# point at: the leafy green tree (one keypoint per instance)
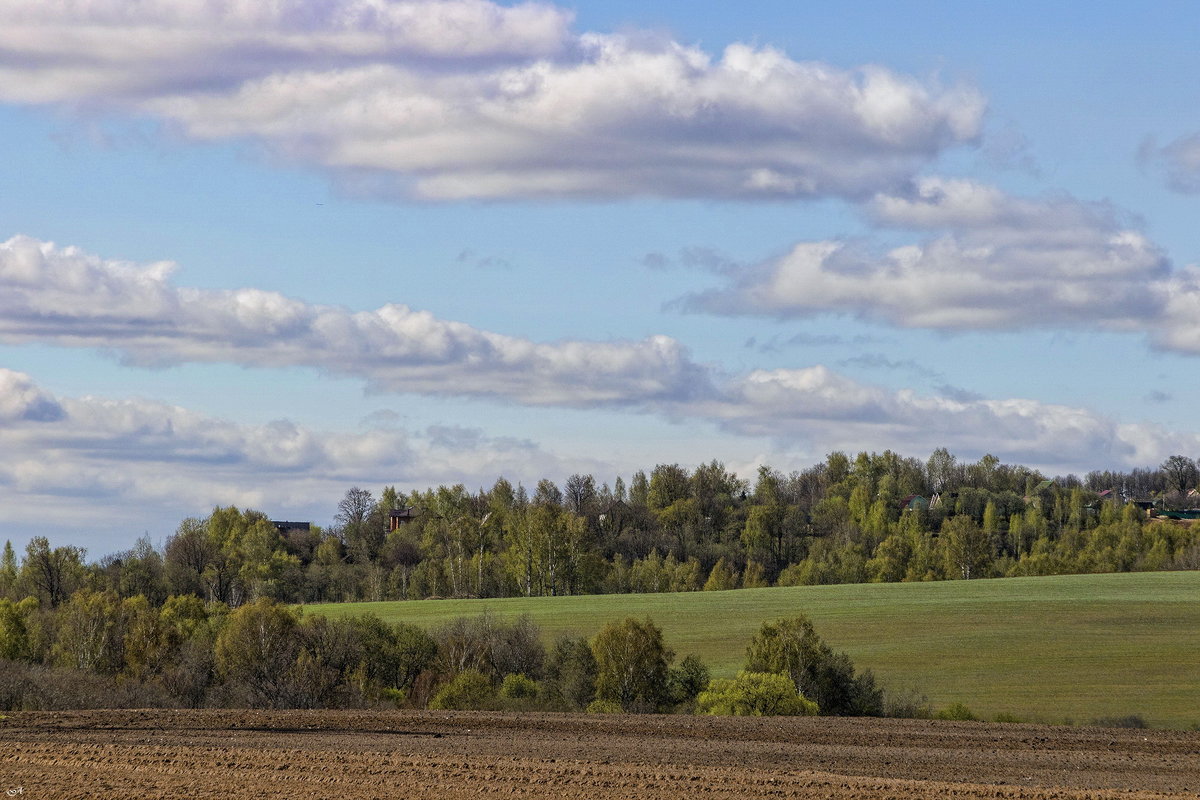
(968, 551)
(943, 470)
(792, 647)
(266, 569)
(145, 643)
(688, 680)
(90, 632)
(754, 694)
(8, 571)
(516, 686)
(721, 577)
(257, 649)
(668, 484)
(53, 572)
(15, 643)
(890, 562)
(764, 535)
(188, 663)
(837, 467)
(570, 675)
(715, 489)
(754, 576)
(639, 490)
(392, 656)
(466, 691)
(632, 664)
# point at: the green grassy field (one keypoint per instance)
(1076, 647)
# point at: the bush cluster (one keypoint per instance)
(98, 650)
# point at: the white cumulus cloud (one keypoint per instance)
(826, 411)
(995, 262)
(451, 99)
(66, 297)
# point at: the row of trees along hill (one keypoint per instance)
(96, 649)
(876, 517)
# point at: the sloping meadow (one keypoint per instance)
(1073, 648)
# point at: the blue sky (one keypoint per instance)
(258, 254)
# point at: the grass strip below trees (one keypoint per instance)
(1065, 648)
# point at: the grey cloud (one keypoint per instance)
(706, 259)
(656, 261)
(471, 258)
(156, 459)
(959, 394)
(22, 401)
(777, 343)
(880, 361)
(454, 99)
(1179, 160)
(1008, 149)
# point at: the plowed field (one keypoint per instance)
(356, 754)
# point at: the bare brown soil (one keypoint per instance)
(367, 754)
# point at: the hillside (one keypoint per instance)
(1076, 647)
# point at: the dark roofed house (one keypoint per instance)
(401, 516)
(285, 527)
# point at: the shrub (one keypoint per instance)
(34, 687)
(393, 655)
(518, 687)
(907, 703)
(489, 646)
(257, 648)
(469, 690)
(517, 648)
(570, 681)
(754, 694)
(688, 680)
(631, 665)
(956, 711)
(792, 647)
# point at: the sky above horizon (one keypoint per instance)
(256, 254)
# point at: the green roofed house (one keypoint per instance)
(914, 502)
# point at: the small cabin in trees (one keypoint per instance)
(401, 516)
(284, 527)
